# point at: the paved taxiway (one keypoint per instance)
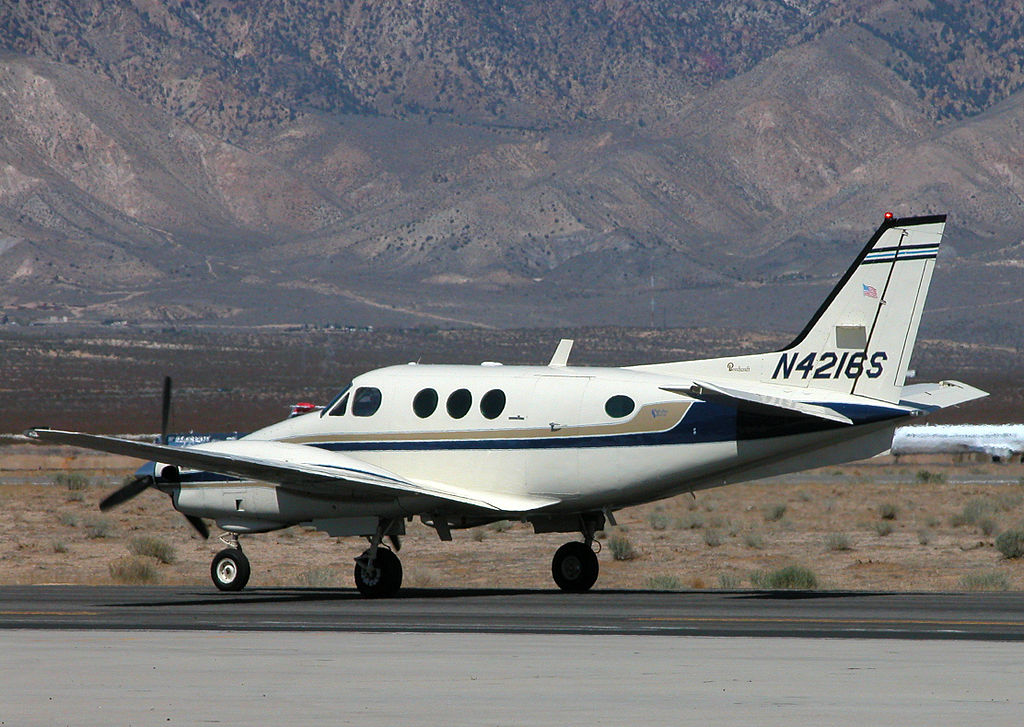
(300, 678)
(989, 616)
(165, 655)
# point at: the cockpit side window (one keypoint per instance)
(338, 404)
(366, 401)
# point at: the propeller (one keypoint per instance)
(165, 410)
(146, 479)
(126, 492)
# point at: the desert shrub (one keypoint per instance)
(774, 513)
(712, 537)
(59, 546)
(479, 535)
(883, 528)
(320, 578)
(73, 481)
(926, 476)
(133, 570)
(988, 525)
(152, 547)
(975, 509)
(501, 526)
(924, 536)
(98, 527)
(664, 583)
(728, 581)
(754, 540)
(985, 581)
(795, 577)
(1009, 500)
(1011, 543)
(932, 521)
(837, 541)
(68, 519)
(659, 520)
(621, 547)
(887, 511)
(804, 496)
(690, 521)
(76, 496)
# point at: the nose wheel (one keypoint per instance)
(575, 567)
(230, 569)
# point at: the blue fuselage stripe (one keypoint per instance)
(705, 422)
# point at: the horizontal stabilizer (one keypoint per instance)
(940, 395)
(758, 403)
(296, 466)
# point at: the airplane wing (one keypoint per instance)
(757, 402)
(297, 466)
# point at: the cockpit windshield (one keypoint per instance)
(338, 403)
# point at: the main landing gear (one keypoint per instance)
(230, 568)
(575, 567)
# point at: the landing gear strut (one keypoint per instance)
(378, 571)
(575, 567)
(230, 568)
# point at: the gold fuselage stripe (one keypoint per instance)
(649, 419)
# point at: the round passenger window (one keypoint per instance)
(366, 402)
(425, 403)
(493, 403)
(619, 406)
(459, 402)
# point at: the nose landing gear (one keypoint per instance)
(378, 572)
(230, 568)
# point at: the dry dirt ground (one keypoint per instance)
(53, 534)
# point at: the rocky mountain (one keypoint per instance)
(491, 163)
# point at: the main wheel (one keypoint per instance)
(575, 567)
(230, 570)
(383, 578)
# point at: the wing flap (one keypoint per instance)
(296, 466)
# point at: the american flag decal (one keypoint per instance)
(870, 291)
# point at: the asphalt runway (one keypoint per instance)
(976, 616)
(104, 656)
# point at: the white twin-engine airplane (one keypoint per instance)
(563, 447)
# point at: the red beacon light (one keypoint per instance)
(888, 215)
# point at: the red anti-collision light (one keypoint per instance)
(888, 215)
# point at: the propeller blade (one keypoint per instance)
(165, 410)
(199, 526)
(125, 493)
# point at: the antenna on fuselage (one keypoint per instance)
(561, 357)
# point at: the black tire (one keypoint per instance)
(382, 580)
(230, 570)
(575, 567)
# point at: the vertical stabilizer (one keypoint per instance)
(861, 339)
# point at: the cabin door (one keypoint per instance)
(553, 462)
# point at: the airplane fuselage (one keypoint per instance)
(586, 437)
